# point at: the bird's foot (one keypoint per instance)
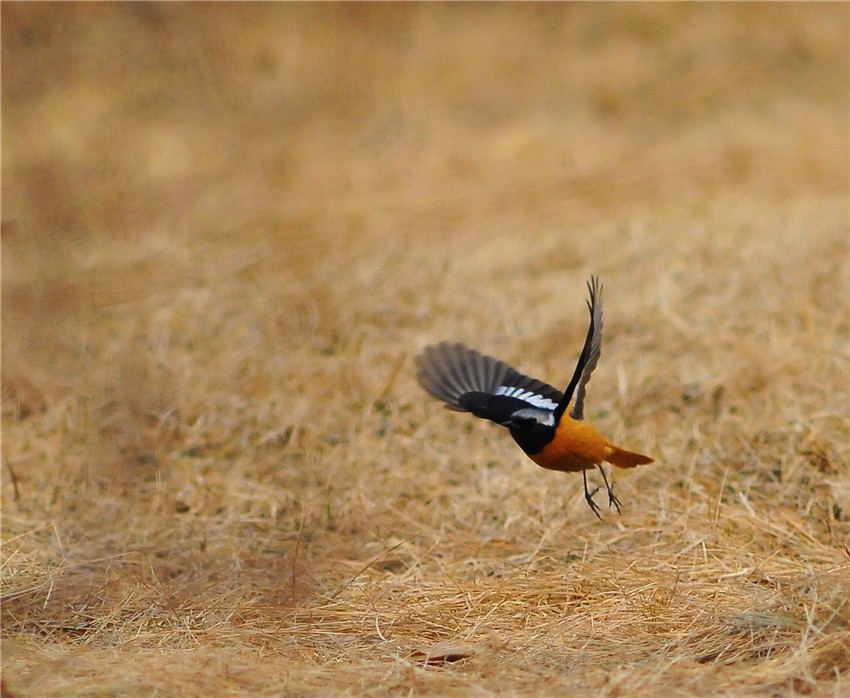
(594, 507)
(609, 486)
(612, 498)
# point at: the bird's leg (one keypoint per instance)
(588, 495)
(612, 498)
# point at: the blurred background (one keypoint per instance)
(127, 120)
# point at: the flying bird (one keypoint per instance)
(546, 423)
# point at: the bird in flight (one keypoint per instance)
(546, 423)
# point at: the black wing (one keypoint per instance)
(471, 382)
(589, 355)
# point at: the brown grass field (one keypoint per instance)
(229, 229)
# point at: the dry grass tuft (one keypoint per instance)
(227, 231)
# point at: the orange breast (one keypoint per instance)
(576, 446)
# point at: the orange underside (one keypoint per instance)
(578, 446)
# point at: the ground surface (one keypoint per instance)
(227, 232)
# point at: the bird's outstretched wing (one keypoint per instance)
(468, 381)
(589, 356)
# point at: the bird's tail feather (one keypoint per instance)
(625, 459)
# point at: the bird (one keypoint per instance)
(547, 424)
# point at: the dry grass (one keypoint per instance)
(228, 229)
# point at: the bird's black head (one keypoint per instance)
(532, 428)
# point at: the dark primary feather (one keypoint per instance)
(468, 381)
(496, 408)
(589, 355)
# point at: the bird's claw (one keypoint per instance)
(612, 498)
(609, 488)
(594, 507)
